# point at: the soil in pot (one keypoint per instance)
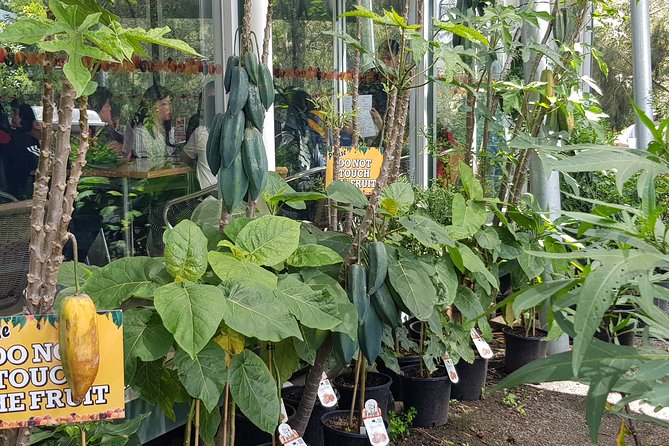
(521, 349)
(377, 387)
(314, 431)
(430, 396)
(248, 434)
(472, 379)
(336, 430)
(396, 386)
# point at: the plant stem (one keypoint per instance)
(363, 390)
(311, 387)
(197, 422)
(270, 350)
(421, 347)
(358, 365)
(232, 422)
(189, 423)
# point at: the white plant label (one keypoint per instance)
(374, 426)
(326, 393)
(481, 345)
(289, 436)
(450, 368)
(284, 414)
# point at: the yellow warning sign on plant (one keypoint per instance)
(33, 389)
(360, 166)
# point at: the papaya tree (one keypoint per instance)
(75, 36)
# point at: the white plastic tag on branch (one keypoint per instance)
(289, 436)
(374, 425)
(482, 346)
(284, 414)
(450, 368)
(326, 394)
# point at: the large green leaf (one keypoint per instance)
(313, 255)
(269, 240)
(226, 267)
(66, 273)
(315, 309)
(446, 276)
(470, 182)
(255, 312)
(235, 226)
(599, 390)
(345, 192)
(204, 376)
(473, 263)
(254, 390)
(158, 385)
(411, 279)
(468, 303)
(468, 217)
(185, 251)
(125, 278)
(210, 422)
(191, 312)
(401, 195)
(144, 335)
(538, 294)
(427, 231)
(28, 30)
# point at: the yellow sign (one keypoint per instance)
(33, 390)
(360, 167)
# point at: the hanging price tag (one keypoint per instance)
(450, 368)
(326, 393)
(289, 436)
(284, 414)
(376, 429)
(481, 345)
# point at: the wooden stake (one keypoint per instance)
(197, 422)
(83, 437)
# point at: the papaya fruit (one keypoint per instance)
(233, 183)
(384, 305)
(253, 109)
(369, 336)
(378, 265)
(79, 344)
(254, 159)
(232, 136)
(239, 90)
(343, 346)
(266, 86)
(213, 150)
(357, 290)
(233, 61)
(252, 66)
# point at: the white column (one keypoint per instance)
(226, 22)
(643, 80)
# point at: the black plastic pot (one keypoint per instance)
(472, 379)
(430, 396)
(314, 431)
(379, 392)
(248, 434)
(334, 437)
(396, 386)
(521, 350)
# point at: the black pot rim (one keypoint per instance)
(380, 386)
(417, 378)
(508, 332)
(339, 413)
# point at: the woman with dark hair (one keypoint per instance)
(101, 102)
(150, 134)
(21, 155)
(197, 134)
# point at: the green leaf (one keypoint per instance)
(470, 183)
(269, 240)
(235, 226)
(204, 376)
(227, 267)
(411, 279)
(254, 311)
(124, 429)
(66, 273)
(538, 294)
(427, 231)
(448, 279)
(599, 390)
(185, 251)
(156, 36)
(28, 30)
(158, 385)
(144, 335)
(487, 238)
(191, 312)
(284, 357)
(313, 255)
(463, 31)
(468, 303)
(254, 390)
(315, 309)
(473, 263)
(124, 278)
(468, 217)
(345, 192)
(401, 194)
(209, 425)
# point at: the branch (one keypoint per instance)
(268, 32)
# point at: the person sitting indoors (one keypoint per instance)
(101, 102)
(197, 134)
(21, 156)
(150, 134)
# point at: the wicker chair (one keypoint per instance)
(14, 250)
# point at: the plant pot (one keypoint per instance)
(336, 437)
(615, 317)
(396, 386)
(521, 350)
(248, 434)
(472, 379)
(430, 396)
(314, 431)
(377, 388)
(414, 330)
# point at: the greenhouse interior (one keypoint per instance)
(334, 222)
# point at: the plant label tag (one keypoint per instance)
(289, 436)
(374, 426)
(450, 368)
(284, 414)
(326, 393)
(482, 346)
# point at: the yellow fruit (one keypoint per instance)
(79, 345)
